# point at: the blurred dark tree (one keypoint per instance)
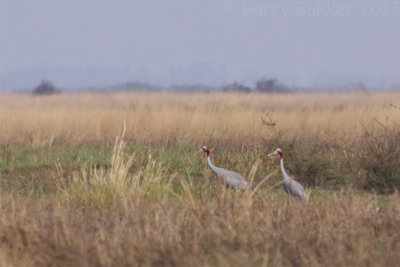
(46, 88)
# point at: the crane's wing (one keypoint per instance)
(232, 179)
(295, 189)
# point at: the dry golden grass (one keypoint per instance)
(188, 118)
(218, 229)
(139, 210)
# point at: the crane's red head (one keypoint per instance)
(277, 151)
(206, 149)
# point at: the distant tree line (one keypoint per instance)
(262, 86)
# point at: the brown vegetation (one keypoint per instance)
(153, 202)
(220, 229)
(190, 118)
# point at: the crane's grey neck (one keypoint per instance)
(285, 176)
(213, 168)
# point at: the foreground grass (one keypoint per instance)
(198, 229)
(122, 215)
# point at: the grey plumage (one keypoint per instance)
(291, 187)
(232, 179)
(295, 189)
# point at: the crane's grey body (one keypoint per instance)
(232, 179)
(295, 189)
(291, 187)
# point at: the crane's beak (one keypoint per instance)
(273, 153)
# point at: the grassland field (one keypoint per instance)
(91, 179)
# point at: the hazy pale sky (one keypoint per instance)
(209, 41)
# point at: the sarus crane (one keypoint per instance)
(291, 187)
(232, 179)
